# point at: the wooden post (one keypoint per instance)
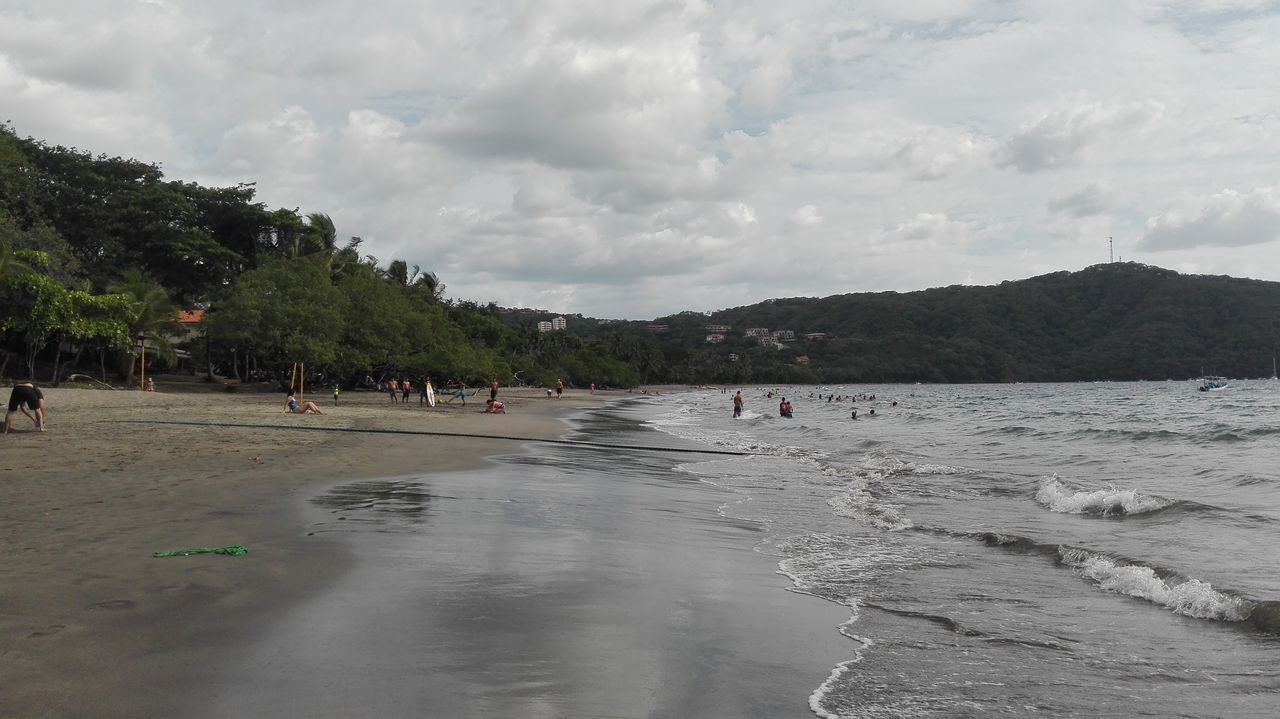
(293, 376)
(142, 376)
(302, 379)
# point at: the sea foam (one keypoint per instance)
(1186, 596)
(1110, 502)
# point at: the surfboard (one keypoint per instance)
(431, 395)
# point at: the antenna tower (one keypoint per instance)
(1111, 244)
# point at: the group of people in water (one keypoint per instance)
(786, 410)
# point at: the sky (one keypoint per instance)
(636, 158)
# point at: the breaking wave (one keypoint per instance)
(1109, 502)
(1183, 595)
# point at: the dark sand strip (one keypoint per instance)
(422, 433)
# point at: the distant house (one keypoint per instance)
(757, 332)
(558, 324)
(715, 338)
(784, 335)
(544, 326)
(190, 321)
(816, 336)
(716, 329)
(802, 359)
(659, 329)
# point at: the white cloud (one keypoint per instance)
(806, 216)
(640, 157)
(1225, 219)
(1088, 201)
(1067, 133)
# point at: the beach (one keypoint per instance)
(94, 625)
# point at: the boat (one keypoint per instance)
(1210, 383)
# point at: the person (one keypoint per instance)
(737, 404)
(495, 407)
(854, 415)
(461, 393)
(392, 388)
(593, 388)
(336, 390)
(406, 389)
(28, 394)
(559, 388)
(292, 405)
(784, 408)
(872, 412)
(422, 390)
(493, 389)
(151, 385)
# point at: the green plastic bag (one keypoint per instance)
(234, 550)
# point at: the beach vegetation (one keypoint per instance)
(97, 251)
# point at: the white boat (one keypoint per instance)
(1211, 383)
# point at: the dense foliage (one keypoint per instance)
(1119, 321)
(97, 252)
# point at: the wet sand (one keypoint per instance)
(568, 583)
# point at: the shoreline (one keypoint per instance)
(93, 623)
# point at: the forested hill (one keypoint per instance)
(1118, 321)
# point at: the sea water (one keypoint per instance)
(1070, 550)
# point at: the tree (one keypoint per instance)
(154, 317)
(285, 311)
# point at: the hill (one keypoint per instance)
(1118, 321)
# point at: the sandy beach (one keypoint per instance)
(94, 626)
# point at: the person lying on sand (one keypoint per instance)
(292, 405)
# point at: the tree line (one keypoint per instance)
(97, 252)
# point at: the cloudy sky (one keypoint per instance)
(633, 158)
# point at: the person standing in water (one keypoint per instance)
(737, 404)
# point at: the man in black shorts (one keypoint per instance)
(30, 395)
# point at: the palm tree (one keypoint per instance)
(10, 265)
(156, 321)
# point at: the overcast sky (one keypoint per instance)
(633, 158)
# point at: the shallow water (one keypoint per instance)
(1074, 550)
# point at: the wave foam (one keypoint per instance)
(1188, 597)
(1110, 502)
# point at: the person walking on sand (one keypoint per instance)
(461, 394)
(406, 388)
(336, 390)
(423, 382)
(392, 388)
(737, 404)
(559, 388)
(292, 406)
(27, 394)
(493, 389)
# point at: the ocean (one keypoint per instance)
(1028, 550)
